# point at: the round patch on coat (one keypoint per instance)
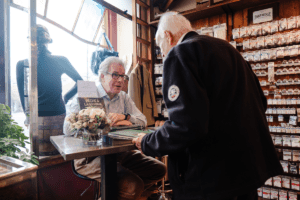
(173, 93)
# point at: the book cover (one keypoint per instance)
(85, 102)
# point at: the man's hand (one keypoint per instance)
(137, 141)
(123, 123)
(115, 117)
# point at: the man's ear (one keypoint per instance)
(102, 77)
(169, 36)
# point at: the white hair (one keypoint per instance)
(173, 22)
(104, 66)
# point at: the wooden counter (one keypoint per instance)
(18, 179)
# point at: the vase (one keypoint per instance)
(92, 138)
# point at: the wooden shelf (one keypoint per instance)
(285, 147)
(218, 9)
(281, 133)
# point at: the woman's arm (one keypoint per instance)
(73, 74)
(20, 82)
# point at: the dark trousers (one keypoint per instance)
(136, 173)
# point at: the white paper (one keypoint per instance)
(87, 89)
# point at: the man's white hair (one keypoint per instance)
(104, 66)
(173, 22)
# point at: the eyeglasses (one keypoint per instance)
(116, 76)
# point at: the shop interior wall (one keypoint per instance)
(287, 8)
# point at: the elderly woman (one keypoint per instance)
(136, 172)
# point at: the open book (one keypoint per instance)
(127, 134)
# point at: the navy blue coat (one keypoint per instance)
(217, 136)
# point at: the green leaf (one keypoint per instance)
(12, 137)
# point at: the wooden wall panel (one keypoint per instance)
(289, 8)
(245, 17)
(198, 23)
(222, 18)
(213, 20)
(238, 19)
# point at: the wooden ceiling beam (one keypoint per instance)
(168, 5)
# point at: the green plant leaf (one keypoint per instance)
(12, 137)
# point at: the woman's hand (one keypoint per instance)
(115, 117)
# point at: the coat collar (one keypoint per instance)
(188, 35)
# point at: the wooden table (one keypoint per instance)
(73, 148)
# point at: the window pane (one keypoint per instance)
(64, 12)
(89, 20)
(19, 48)
(138, 30)
(40, 5)
(23, 3)
(138, 14)
(122, 5)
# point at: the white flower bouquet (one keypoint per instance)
(90, 121)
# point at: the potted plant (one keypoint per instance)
(12, 138)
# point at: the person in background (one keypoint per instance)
(217, 136)
(136, 172)
(51, 106)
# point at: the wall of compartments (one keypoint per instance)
(273, 51)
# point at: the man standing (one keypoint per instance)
(217, 138)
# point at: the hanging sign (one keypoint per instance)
(263, 15)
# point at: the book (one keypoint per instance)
(112, 142)
(85, 102)
(127, 134)
(118, 128)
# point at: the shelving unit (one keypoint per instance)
(281, 91)
(158, 74)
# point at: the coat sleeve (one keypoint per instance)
(134, 91)
(188, 114)
(152, 96)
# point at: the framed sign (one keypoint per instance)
(263, 13)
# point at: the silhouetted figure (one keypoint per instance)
(51, 106)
